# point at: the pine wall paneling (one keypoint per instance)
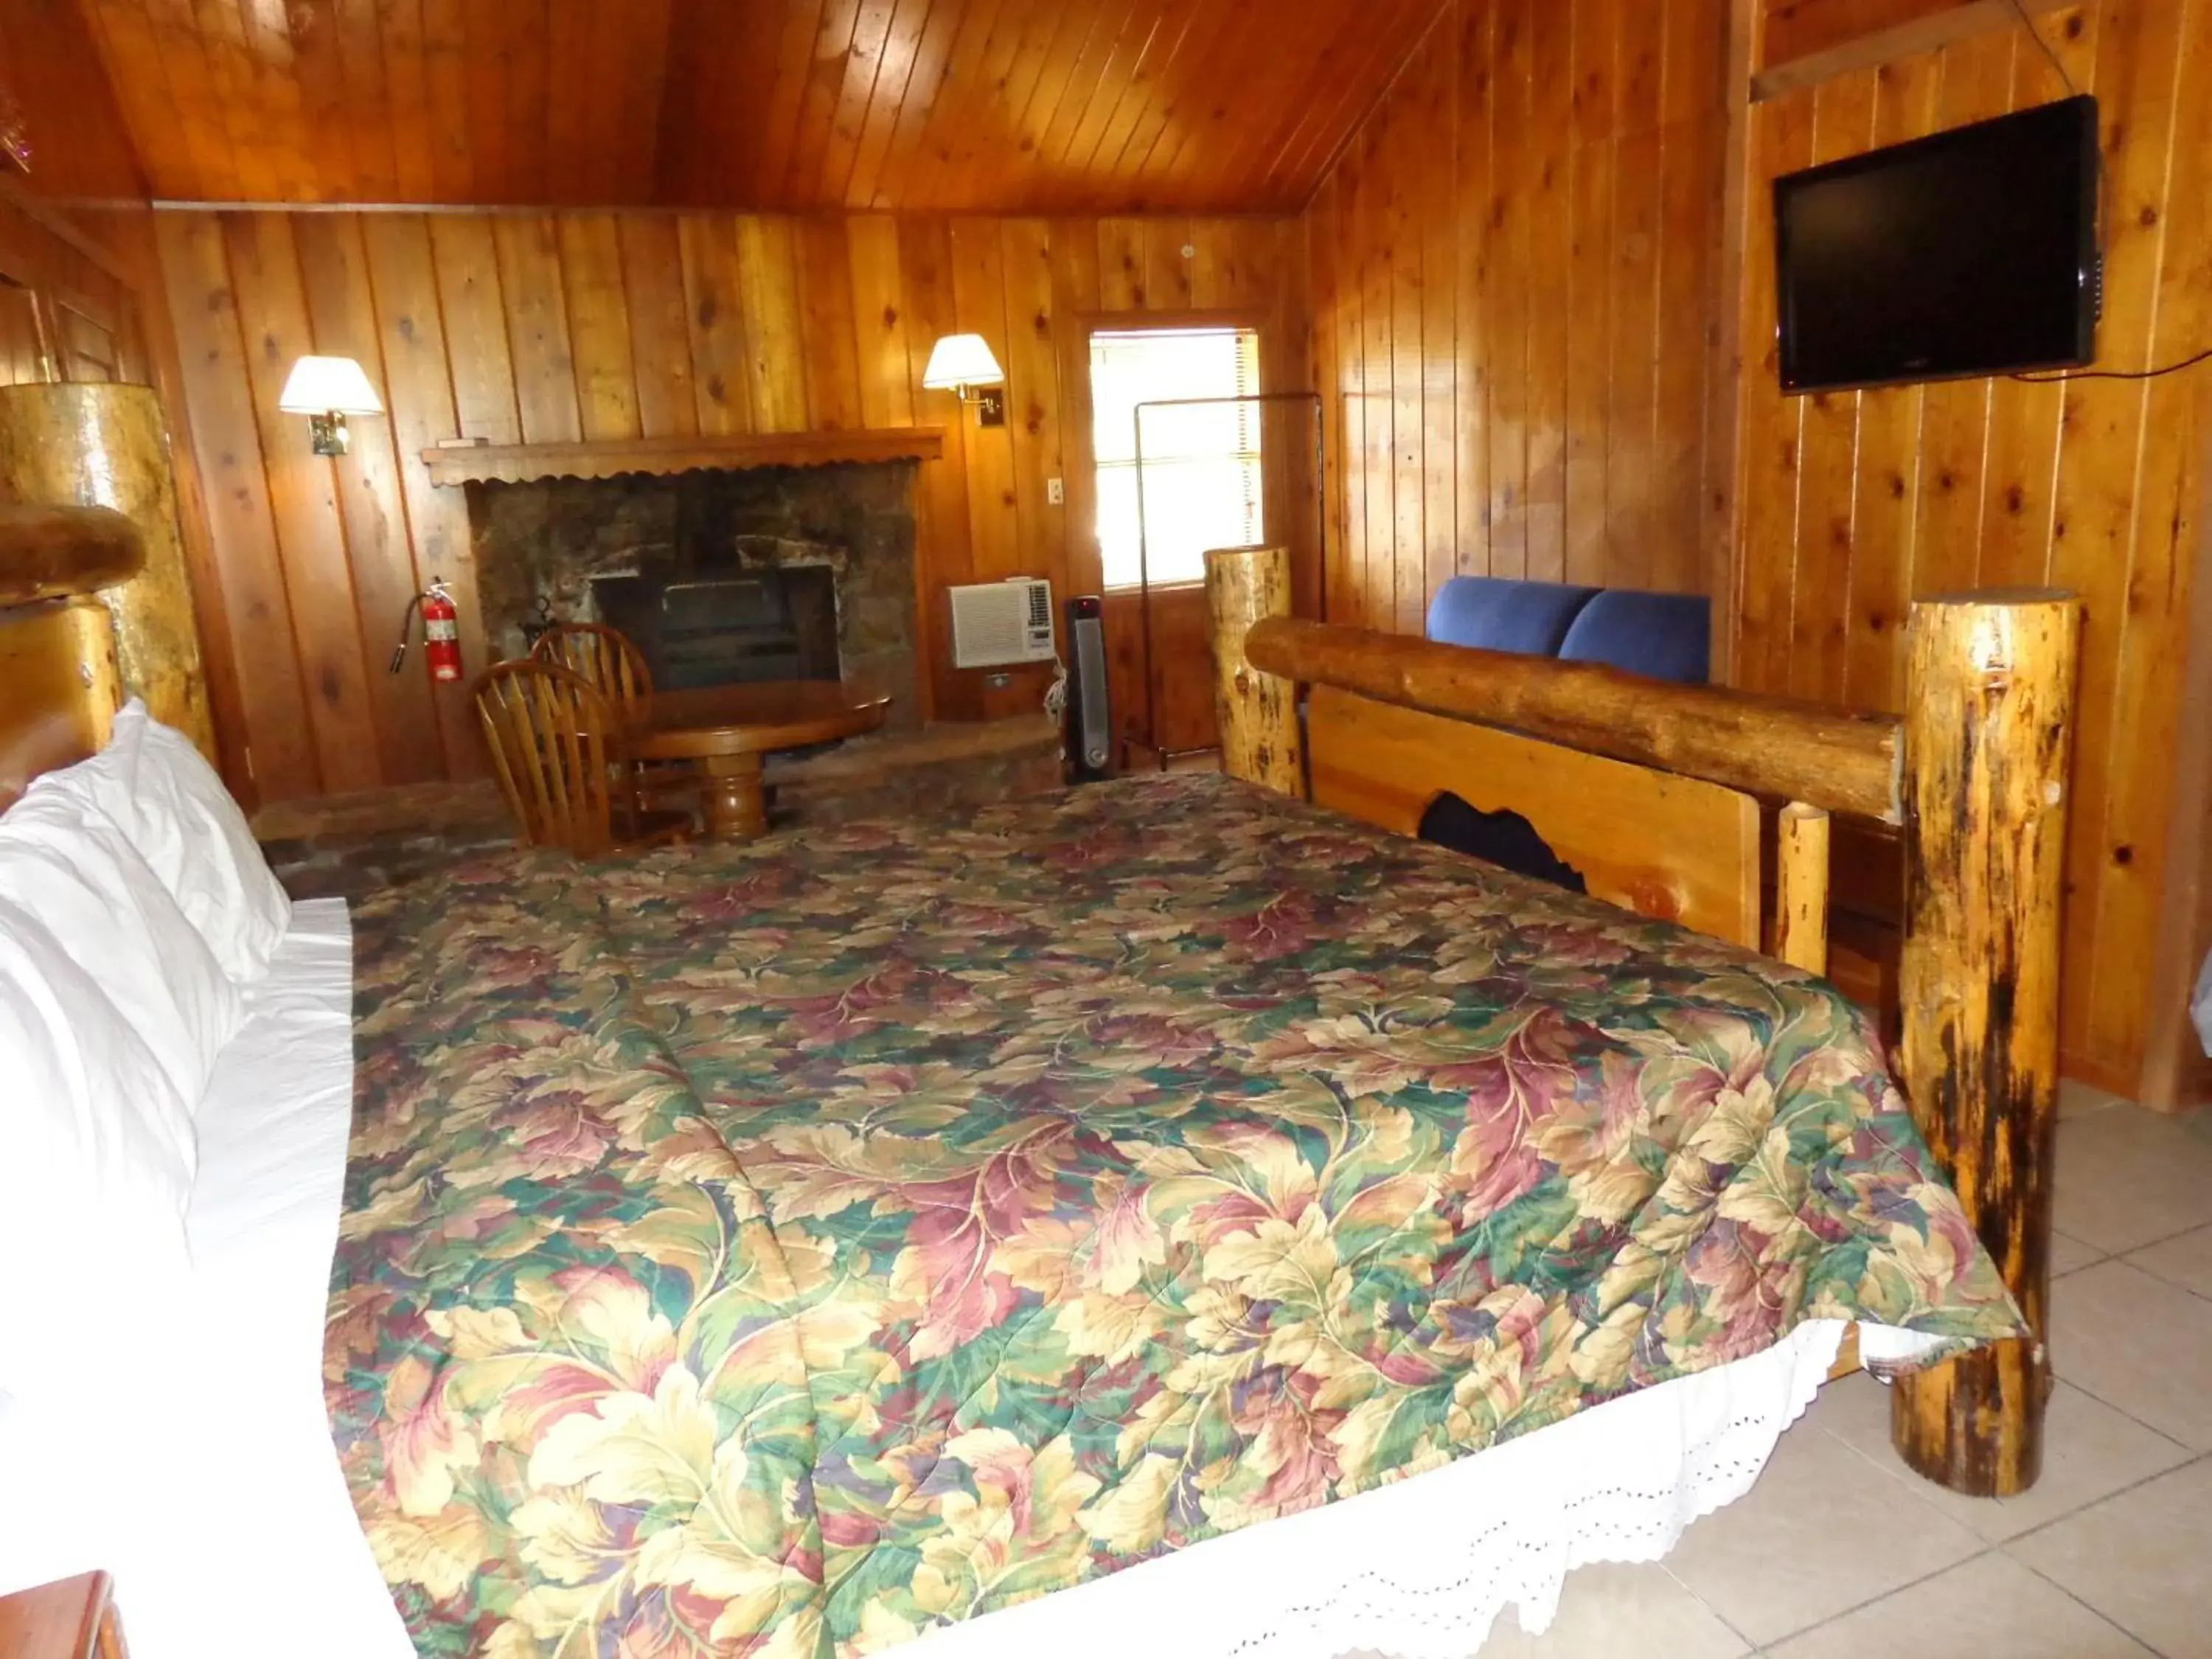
(1512, 266)
(1854, 503)
(2176, 1070)
(554, 326)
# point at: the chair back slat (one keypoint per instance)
(604, 656)
(551, 734)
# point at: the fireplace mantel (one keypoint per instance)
(466, 464)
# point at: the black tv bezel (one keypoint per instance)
(1978, 132)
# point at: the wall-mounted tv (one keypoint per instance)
(1971, 252)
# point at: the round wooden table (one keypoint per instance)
(731, 729)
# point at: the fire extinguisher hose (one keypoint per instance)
(406, 632)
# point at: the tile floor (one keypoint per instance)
(2110, 1557)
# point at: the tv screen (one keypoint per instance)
(1971, 252)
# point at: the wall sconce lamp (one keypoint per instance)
(962, 364)
(326, 390)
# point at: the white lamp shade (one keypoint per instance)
(962, 360)
(328, 386)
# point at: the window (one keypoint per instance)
(1201, 487)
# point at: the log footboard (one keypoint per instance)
(1976, 774)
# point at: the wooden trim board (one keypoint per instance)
(1725, 365)
(1885, 46)
(1675, 848)
(520, 462)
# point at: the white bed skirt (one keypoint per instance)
(1420, 1569)
(208, 1484)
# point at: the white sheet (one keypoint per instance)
(205, 1481)
(223, 1515)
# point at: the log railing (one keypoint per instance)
(1976, 775)
(1826, 757)
(54, 552)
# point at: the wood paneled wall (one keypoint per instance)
(1854, 503)
(554, 327)
(1512, 273)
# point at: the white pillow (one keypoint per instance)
(69, 869)
(97, 1157)
(168, 801)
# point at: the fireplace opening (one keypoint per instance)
(772, 625)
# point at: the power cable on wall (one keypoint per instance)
(2104, 209)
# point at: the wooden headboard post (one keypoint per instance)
(1257, 713)
(59, 682)
(1977, 776)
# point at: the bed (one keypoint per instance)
(1067, 1216)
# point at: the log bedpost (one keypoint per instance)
(1258, 713)
(1988, 730)
(1800, 889)
(107, 445)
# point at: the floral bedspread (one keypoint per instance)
(784, 1249)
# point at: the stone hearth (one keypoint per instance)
(540, 546)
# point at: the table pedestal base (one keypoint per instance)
(736, 797)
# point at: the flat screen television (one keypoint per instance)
(1971, 252)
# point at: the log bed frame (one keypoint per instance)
(60, 680)
(1975, 774)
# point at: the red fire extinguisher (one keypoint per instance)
(441, 632)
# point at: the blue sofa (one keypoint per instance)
(1664, 636)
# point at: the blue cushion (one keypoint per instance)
(1665, 636)
(1495, 614)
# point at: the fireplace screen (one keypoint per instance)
(765, 625)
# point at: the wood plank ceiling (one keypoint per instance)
(943, 106)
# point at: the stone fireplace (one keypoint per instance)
(768, 573)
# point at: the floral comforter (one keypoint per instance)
(784, 1249)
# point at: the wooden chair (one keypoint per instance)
(604, 656)
(556, 746)
(610, 660)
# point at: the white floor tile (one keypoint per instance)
(2137, 1343)
(1609, 1609)
(2138, 1559)
(2186, 1261)
(2126, 1177)
(2079, 1100)
(2070, 1255)
(1990, 1604)
(2089, 1451)
(1823, 1531)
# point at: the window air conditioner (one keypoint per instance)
(1000, 622)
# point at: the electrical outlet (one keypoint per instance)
(1055, 492)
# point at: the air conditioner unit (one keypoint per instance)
(1000, 622)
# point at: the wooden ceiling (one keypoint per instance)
(955, 105)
